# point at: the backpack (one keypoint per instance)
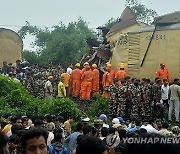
(53, 151)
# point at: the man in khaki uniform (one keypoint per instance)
(48, 88)
(174, 97)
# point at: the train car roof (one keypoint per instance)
(159, 28)
(127, 19)
(171, 18)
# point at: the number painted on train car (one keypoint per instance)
(156, 37)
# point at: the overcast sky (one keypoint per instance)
(47, 13)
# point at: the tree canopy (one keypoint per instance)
(63, 45)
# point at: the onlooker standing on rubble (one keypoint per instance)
(69, 69)
(61, 88)
(66, 80)
(174, 96)
(48, 88)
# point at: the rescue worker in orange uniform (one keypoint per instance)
(76, 80)
(95, 82)
(86, 82)
(84, 69)
(121, 73)
(163, 73)
(107, 80)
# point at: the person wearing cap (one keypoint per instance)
(85, 121)
(48, 88)
(86, 83)
(176, 131)
(84, 67)
(115, 121)
(121, 73)
(103, 117)
(75, 79)
(95, 82)
(61, 88)
(163, 73)
(107, 80)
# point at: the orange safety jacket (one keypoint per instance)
(87, 76)
(120, 74)
(83, 70)
(107, 79)
(95, 85)
(76, 74)
(163, 74)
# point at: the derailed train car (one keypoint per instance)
(142, 47)
(11, 46)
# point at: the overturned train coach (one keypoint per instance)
(142, 47)
(11, 46)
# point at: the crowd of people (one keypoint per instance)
(136, 110)
(50, 134)
(128, 97)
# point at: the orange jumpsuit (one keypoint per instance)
(76, 82)
(107, 80)
(163, 74)
(83, 70)
(86, 85)
(120, 75)
(95, 82)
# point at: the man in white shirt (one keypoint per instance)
(165, 91)
(69, 69)
(150, 129)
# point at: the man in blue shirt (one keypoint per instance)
(72, 139)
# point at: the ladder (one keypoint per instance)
(134, 55)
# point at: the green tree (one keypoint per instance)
(30, 56)
(64, 44)
(142, 13)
